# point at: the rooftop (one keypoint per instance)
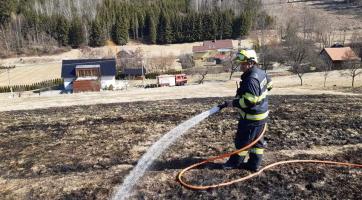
(341, 54)
(213, 45)
(107, 66)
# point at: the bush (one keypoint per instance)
(152, 75)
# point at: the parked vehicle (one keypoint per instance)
(172, 80)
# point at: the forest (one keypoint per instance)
(29, 24)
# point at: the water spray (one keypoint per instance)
(123, 191)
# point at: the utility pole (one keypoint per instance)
(8, 68)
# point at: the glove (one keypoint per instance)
(223, 105)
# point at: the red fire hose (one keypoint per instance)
(205, 187)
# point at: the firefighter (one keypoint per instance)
(252, 101)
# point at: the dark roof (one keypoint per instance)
(213, 45)
(108, 66)
(134, 71)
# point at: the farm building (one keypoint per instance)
(337, 56)
(210, 49)
(88, 74)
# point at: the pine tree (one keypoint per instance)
(6, 8)
(227, 24)
(61, 30)
(96, 35)
(236, 27)
(198, 27)
(120, 31)
(245, 19)
(209, 27)
(76, 33)
(164, 33)
(150, 31)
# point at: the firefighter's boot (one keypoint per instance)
(253, 163)
(234, 162)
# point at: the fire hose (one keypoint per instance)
(226, 155)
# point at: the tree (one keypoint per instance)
(120, 31)
(61, 30)
(353, 65)
(150, 30)
(297, 50)
(326, 68)
(96, 35)
(186, 61)
(6, 8)
(164, 33)
(246, 22)
(76, 33)
(209, 27)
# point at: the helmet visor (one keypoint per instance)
(240, 58)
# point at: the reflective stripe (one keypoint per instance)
(270, 84)
(243, 153)
(255, 99)
(242, 103)
(263, 83)
(250, 97)
(259, 151)
(256, 117)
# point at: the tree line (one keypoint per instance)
(34, 86)
(155, 22)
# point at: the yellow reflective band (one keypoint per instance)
(242, 103)
(262, 96)
(257, 151)
(256, 117)
(243, 153)
(255, 99)
(250, 97)
(270, 84)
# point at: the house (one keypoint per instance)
(88, 74)
(337, 56)
(212, 48)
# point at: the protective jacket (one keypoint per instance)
(251, 97)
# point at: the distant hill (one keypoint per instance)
(32, 25)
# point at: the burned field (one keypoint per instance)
(82, 152)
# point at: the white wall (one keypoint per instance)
(67, 83)
(106, 81)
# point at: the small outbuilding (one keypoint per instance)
(337, 56)
(88, 74)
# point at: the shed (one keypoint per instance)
(337, 56)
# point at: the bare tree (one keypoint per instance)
(186, 61)
(356, 43)
(200, 72)
(297, 50)
(230, 66)
(353, 66)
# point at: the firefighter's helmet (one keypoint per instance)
(246, 56)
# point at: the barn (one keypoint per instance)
(88, 74)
